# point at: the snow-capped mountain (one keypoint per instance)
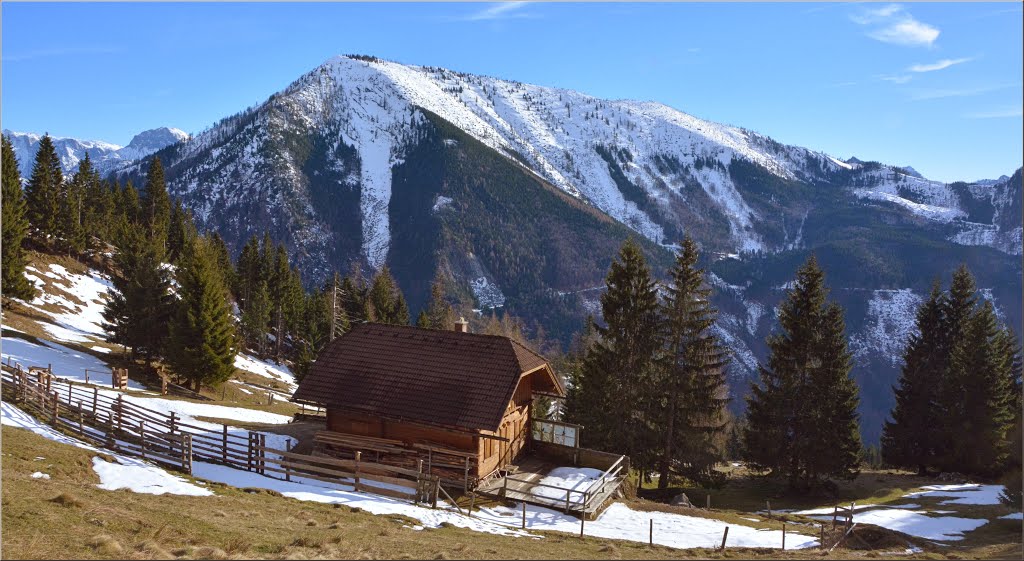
(105, 156)
(521, 195)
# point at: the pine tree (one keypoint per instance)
(619, 369)
(911, 438)
(256, 317)
(960, 304)
(692, 416)
(202, 337)
(70, 225)
(385, 301)
(181, 232)
(979, 423)
(248, 274)
(98, 210)
(356, 297)
(423, 320)
(139, 306)
(42, 194)
(15, 228)
(220, 249)
(278, 286)
(439, 313)
(802, 419)
(156, 203)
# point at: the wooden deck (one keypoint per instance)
(523, 485)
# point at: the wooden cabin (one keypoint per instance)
(459, 401)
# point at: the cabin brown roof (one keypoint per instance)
(446, 378)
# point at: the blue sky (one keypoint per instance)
(935, 86)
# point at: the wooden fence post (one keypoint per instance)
(56, 404)
(465, 484)
(118, 406)
(650, 535)
(142, 437)
(248, 455)
(524, 515)
(287, 471)
(437, 486)
(81, 420)
(583, 520)
(186, 452)
(849, 519)
(224, 444)
(783, 536)
(263, 453)
(835, 514)
(725, 535)
(567, 491)
(69, 393)
(768, 506)
(95, 399)
(708, 505)
(821, 539)
(174, 417)
(472, 501)
(359, 456)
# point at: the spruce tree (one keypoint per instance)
(614, 394)
(802, 419)
(220, 249)
(980, 421)
(278, 286)
(912, 437)
(15, 228)
(439, 313)
(71, 226)
(248, 274)
(339, 323)
(960, 304)
(139, 306)
(354, 293)
(181, 232)
(202, 337)
(42, 194)
(692, 416)
(156, 203)
(385, 301)
(256, 317)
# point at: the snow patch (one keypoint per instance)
(40, 475)
(142, 477)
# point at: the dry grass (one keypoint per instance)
(239, 524)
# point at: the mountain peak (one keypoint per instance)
(150, 141)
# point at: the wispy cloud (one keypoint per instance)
(502, 10)
(58, 52)
(898, 79)
(893, 24)
(1002, 113)
(940, 65)
(962, 92)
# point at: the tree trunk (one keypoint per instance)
(666, 457)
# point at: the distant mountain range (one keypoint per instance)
(521, 195)
(105, 156)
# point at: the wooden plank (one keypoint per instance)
(386, 492)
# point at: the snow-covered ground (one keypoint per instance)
(964, 494)
(66, 362)
(79, 297)
(267, 369)
(617, 522)
(577, 479)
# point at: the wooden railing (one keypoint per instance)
(124, 426)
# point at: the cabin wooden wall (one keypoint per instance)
(514, 427)
(367, 425)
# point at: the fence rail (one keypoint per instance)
(125, 426)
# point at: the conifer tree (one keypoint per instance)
(202, 337)
(139, 306)
(802, 419)
(979, 422)
(71, 226)
(423, 320)
(220, 250)
(439, 313)
(338, 323)
(619, 368)
(42, 194)
(385, 301)
(355, 297)
(98, 209)
(15, 228)
(248, 274)
(911, 438)
(256, 317)
(156, 203)
(692, 417)
(960, 304)
(181, 231)
(278, 286)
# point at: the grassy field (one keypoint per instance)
(68, 517)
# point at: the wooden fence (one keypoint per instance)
(125, 426)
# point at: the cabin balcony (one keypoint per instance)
(554, 471)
